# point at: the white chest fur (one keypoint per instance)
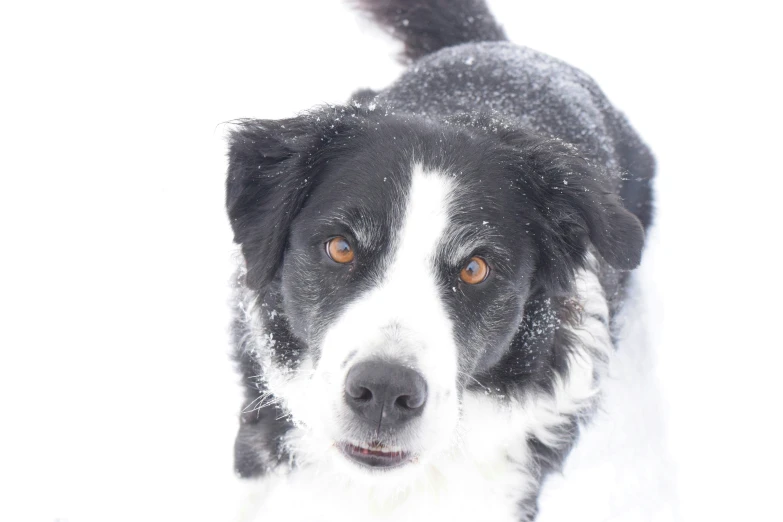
(474, 482)
(461, 493)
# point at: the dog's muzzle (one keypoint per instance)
(384, 397)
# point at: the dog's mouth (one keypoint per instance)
(375, 455)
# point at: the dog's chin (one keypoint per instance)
(376, 456)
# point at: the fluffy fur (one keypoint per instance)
(480, 149)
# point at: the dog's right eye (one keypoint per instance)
(339, 250)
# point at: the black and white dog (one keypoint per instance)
(429, 278)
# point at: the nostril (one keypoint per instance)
(359, 393)
(364, 394)
(410, 402)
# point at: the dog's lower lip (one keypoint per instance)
(375, 455)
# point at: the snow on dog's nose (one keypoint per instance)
(385, 395)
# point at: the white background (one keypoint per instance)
(117, 398)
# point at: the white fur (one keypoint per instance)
(474, 461)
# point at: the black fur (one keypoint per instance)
(546, 160)
(427, 26)
(274, 164)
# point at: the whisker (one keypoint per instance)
(474, 379)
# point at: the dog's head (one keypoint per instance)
(390, 260)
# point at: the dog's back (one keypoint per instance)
(463, 63)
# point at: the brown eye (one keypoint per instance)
(339, 250)
(475, 271)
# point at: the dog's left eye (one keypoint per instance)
(475, 271)
(339, 250)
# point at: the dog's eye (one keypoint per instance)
(339, 250)
(475, 271)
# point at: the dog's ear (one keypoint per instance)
(575, 205)
(272, 166)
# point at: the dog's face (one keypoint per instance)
(392, 260)
(403, 281)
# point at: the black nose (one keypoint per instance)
(385, 393)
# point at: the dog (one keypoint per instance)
(429, 279)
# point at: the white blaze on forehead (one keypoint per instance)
(411, 281)
(408, 296)
(426, 216)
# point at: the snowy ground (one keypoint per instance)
(118, 401)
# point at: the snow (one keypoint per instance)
(118, 399)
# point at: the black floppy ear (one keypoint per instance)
(576, 206)
(270, 171)
(616, 233)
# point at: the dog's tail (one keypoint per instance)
(425, 26)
